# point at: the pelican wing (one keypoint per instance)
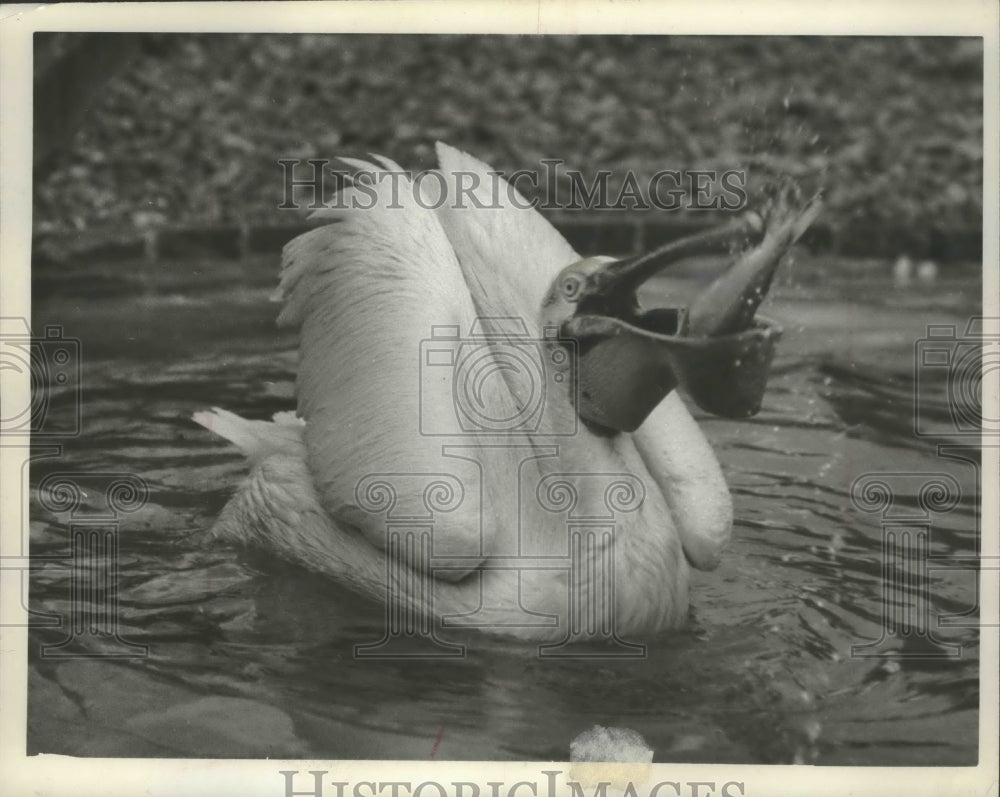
(680, 460)
(367, 293)
(510, 253)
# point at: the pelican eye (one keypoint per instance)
(572, 285)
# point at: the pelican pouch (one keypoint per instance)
(625, 370)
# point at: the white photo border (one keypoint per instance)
(58, 775)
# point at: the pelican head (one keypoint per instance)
(465, 374)
(630, 358)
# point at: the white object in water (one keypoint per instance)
(610, 744)
(902, 272)
(927, 272)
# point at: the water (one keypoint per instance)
(251, 657)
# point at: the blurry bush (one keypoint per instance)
(191, 129)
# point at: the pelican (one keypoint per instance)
(392, 439)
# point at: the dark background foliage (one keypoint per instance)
(189, 129)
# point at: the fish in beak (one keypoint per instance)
(629, 358)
